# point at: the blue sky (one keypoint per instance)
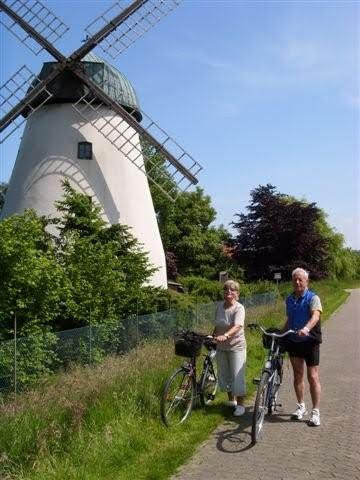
(257, 91)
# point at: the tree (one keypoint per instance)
(280, 233)
(105, 266)
(3, 190)
(32, 288)
(192, 244)
(31, 281)
(342, 262)
(187, 231)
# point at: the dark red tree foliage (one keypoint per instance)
(279, 233)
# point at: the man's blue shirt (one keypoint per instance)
(298, 309)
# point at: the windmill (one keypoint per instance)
(83, 123)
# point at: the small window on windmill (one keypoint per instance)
(85, 150)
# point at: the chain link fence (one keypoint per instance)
(24, 361)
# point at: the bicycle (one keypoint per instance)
(271, 378)
(182, 388)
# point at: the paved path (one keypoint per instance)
(293, 450)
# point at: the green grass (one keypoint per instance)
(103, 422)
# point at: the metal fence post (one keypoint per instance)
(90, 338)
(137, 323)
(15, 356)
(196, 313)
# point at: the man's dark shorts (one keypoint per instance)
(310, 353)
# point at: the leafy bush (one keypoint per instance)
(89, 274)
(203, 289)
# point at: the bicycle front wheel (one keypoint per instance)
(260, 407)
(177, 398)
(273, 392)
(208, 384)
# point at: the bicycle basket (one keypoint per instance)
(187, 345)
(267, 340)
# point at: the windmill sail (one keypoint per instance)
(168, 165)
(12, 93)
(132, 27)
(27, 18)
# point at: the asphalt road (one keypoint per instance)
(293, 450)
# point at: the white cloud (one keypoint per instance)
(302, 55)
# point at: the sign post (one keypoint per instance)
(277, 277)
(223, 277)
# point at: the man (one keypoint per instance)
(303, 310)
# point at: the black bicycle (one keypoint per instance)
(182, 389)
(271, 378)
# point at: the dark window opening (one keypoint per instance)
(85, 150)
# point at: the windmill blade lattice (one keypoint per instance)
(38, 17)
(136, 25)
(13, 91)
(163, 161)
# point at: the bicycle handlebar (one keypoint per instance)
(208, 340)
(271, 334)
(195, 334)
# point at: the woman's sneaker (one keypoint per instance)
(299, 412)
(239, 410)
(314, 420)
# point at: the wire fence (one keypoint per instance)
(25, 361)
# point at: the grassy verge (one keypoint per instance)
(103, 422)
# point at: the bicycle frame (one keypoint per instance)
(269, 382)
(191, 369)
(183, 388)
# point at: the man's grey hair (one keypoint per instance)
(300, 270)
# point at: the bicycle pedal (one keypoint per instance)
(256, 381)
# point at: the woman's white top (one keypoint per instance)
(226, 318)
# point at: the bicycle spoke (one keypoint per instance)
(208, 384)
(260, 407)
(177, 398)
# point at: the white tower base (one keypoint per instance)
(48, 154)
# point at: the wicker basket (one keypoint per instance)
(267, 340)
(186, 346)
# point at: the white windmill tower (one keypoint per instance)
(82, 123)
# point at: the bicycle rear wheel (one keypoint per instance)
(260, 407)
(177, 398)
(208, 384)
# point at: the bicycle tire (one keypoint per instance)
(260, 407)
(273, 392)
(280, 368)
(208, 384)
(275, 385)
(177, 398)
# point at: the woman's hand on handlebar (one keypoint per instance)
(221, 338)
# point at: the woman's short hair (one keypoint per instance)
(300, 270)
(233, 286)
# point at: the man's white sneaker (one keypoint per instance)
(314, 420)
(239, 410)
(299, 412)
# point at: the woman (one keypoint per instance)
(231, 346)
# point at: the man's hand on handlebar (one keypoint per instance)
(303, 332)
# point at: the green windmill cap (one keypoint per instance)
(67, 88)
